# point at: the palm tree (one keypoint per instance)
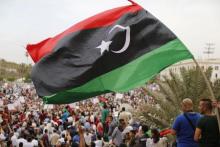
(173, 89)
(22, 69)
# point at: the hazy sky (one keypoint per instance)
(195, 22)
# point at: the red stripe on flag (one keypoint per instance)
(37, 51)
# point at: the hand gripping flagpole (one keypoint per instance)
(210, 91)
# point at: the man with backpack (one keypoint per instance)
(185, 124)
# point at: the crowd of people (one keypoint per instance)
(102, 121)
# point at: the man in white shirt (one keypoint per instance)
(28, 143)
(14, 140)
(21, 139)
(62, 139)
(98, 142)
(88, 138)
(35, 142)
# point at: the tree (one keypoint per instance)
(14, 70)
(22, 69)
(1, 78)
(173, 89)
(27, 77)
(216, 89)
(11, 79)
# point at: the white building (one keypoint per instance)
(189, 64)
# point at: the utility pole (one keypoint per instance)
(26, 54)
(209, 49)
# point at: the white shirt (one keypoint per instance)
(61, 140)
(2, 136)
(88, 138)
(161, 143)
(98, 143)
(70, 119)
(92, 118)
(21, 140)
(17, 134)
(14, 140)
(28, 144)
(35, 142)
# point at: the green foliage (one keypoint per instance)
(1, 78)
(216, 89)
(11, 79)
(12, 71)
(173, 89)
(27, 78)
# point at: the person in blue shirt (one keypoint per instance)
(184, 125)
(76, 138)
(65, 115)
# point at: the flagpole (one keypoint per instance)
(210, 91)
(132, 2)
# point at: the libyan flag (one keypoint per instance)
(113, 51)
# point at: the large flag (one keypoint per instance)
(113, 51)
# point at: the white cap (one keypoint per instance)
(127, 129)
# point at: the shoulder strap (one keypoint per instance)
(190, 122)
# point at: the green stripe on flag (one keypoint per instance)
(126, 77)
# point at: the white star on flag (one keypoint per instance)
(104, 46)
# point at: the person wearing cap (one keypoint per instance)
(126, 132)
(184, 125)
(129, 136)
(132, 135)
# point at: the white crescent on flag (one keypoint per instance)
(127, 41)
(104, 46)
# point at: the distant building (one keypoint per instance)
(189, 64)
